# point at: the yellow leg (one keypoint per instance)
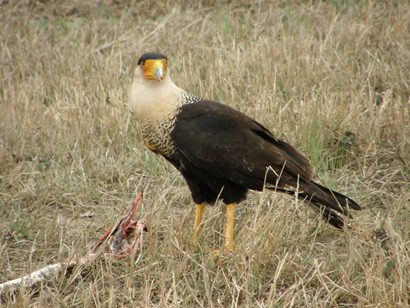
(199, 212)
(230, 210)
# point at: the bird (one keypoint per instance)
(221, 152)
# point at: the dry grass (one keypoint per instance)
(333, 78)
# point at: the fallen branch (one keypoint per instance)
(115, 244)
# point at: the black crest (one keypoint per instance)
(151, 56)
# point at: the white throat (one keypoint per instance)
(152, 100)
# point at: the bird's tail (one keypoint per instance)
(331, 204)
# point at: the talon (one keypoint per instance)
(226, 251)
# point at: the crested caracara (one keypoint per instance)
(221, 152)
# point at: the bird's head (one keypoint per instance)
(152, 93)
(152, 67)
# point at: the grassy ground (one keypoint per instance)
(331, 77)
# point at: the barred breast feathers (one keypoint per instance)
(155, 106)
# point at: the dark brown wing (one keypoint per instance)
(229, 145)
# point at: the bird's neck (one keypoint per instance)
(151, 101)
(155, 106)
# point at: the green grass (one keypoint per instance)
(332, 78)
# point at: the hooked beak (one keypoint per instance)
(159, 72)
(154, 69)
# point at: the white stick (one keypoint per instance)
(33, 278)
(42, 274)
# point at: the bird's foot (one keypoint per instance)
(196, 241)
(225, 251)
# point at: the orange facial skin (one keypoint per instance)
(154, 69)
